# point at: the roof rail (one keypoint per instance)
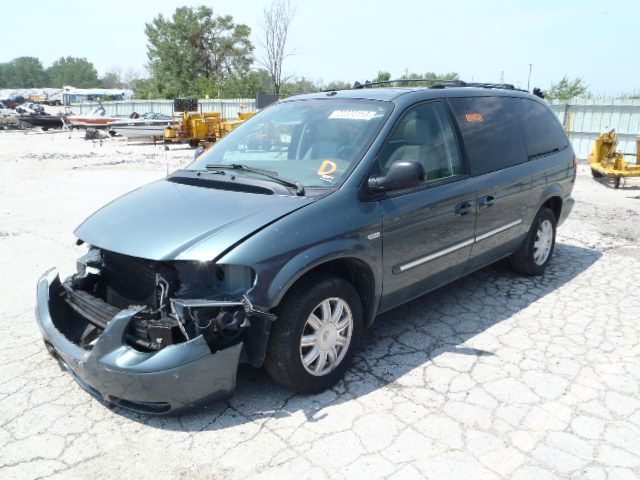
(438, 83)
(369, 84)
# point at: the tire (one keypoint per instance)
(595, 173)
(284, 361)
(524, 259)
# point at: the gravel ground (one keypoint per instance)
(496, 376)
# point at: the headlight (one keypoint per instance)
(236, 279)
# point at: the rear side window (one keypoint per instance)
(490, 131)
(543, 133)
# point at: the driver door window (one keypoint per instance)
(424, 134)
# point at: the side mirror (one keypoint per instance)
(401, 174)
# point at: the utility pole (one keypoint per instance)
(502, 76)
(529, 79)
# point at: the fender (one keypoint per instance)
(311, 258)
(553, 190)
(549, 191)
(284, 251)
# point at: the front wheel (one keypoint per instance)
(315, 336)
(535, 253)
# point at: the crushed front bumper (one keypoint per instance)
(172, 379)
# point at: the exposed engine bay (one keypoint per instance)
(175, 300)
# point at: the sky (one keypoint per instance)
(486, 40)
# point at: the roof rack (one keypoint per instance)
(437, 83)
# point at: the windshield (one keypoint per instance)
(314, 142)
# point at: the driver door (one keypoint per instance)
(428, 231)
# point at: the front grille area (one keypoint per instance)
(119, 282)
(132, 281)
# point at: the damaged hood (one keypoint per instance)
(173, 221)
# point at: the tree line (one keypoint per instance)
(196, 53)
(28, 72)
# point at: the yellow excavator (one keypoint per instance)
(200, 129)
(605, 161)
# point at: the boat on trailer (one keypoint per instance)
(44, 121)
(150, 125)
(97, 119)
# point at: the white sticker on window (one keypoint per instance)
(353, 114)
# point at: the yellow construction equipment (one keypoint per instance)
(230, 125)
(202, 128)
(605, 161)
(194, 128)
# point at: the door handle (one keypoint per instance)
(463, 208)
(486, 201)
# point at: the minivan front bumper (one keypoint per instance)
(172, 379)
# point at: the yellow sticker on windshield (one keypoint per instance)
(327, 168)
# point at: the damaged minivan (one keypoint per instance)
(281, 244)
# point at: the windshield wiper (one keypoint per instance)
(266, 173)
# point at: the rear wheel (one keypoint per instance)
(318, 329)
(595, 173)
(535, 253)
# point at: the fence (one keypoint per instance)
(228, 107)
(585, 119)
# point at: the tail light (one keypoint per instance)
(575, 165)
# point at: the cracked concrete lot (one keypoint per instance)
(494, 377)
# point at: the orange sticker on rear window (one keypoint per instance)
(474, 117)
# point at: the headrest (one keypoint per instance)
(417, 131)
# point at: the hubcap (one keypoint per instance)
(326, 336)
(544, 242)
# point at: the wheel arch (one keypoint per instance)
(554, 204)
(348, 265)
(552, 198)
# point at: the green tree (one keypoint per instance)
(22, 72)
(567, 89)
(112, 79)
(298, 86)
(441, 76)
(247, 85)
(428, 76)
(77, 72)
(383, 76)
(146, 88)
(194, 52)
(338, 85)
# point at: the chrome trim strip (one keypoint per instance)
(498, 230)
(435, 255)
(458, 246)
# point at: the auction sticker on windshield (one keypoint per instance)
(353, 114)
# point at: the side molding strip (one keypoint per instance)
(457, 246)
(435, 255)
(498, 230)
